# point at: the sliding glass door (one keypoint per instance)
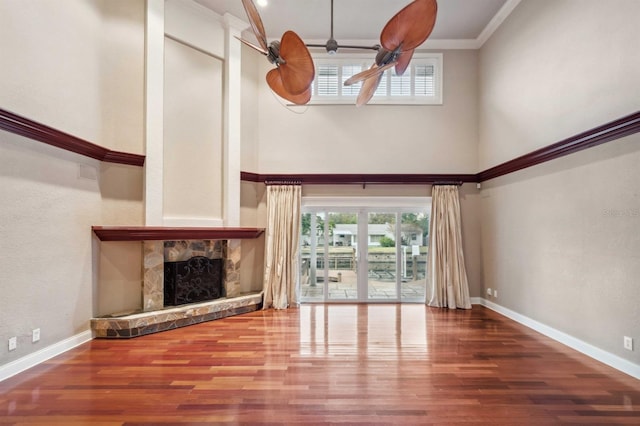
(364, 253)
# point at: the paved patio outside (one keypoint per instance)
(343, 287)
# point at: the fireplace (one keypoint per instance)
(157, 253)
(198, 279)
(193, 271)
(162, 245)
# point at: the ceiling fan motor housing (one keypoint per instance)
(332, 46)
(273, 53)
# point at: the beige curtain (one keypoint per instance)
(282, 246)
(447, 284)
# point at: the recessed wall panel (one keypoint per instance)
(192, 136)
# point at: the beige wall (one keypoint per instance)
(375, 138)
(253, 215)
(253, 196)
(77, 67)
(560, 240)
(250, 134)
(190, 22)
(554, 69)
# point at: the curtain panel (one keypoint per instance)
(447, 284)
(282, 246)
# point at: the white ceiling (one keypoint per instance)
(459, 24)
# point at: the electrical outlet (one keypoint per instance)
(489, 291)
(495, 293)
(628, 343)
(35, 335)
(13, 343)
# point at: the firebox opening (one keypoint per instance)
(197, 279)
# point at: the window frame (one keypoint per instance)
(366, 60)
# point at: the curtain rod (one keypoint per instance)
(283, 182)
(364, 184)
(359, 179)
(444, 182)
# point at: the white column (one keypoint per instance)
(154, 99)
(232, 112)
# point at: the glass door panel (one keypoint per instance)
(312, 257)
(382, 256)
(342, 267)
(414, 236)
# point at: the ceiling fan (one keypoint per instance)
(405, 31)
(332, 45)
(294, 72)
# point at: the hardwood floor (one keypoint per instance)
(368, 364)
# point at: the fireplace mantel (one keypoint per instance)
(148, 233)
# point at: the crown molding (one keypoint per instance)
(445, 44)
(233, 22)
(195, 7)
(449, 44)
(497, 20)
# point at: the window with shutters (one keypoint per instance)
(421, 83)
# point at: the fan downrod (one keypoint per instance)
(332, 45)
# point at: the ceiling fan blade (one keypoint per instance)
(256, 22)
(411, 26)
(367, 74)
(403, 61)
(253, 46)
(369, 87)
(297, 72)
(274, 80)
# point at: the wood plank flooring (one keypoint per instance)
(367, 364)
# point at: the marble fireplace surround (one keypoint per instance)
(155, 317)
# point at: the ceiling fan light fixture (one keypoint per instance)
(332, 46)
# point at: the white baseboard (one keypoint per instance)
(33, 359)
(598, 354)
(476, 300)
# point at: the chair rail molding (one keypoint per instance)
(28, 128)
(604, 133)
(607, 132)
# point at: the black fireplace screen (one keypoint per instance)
(195, 280)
